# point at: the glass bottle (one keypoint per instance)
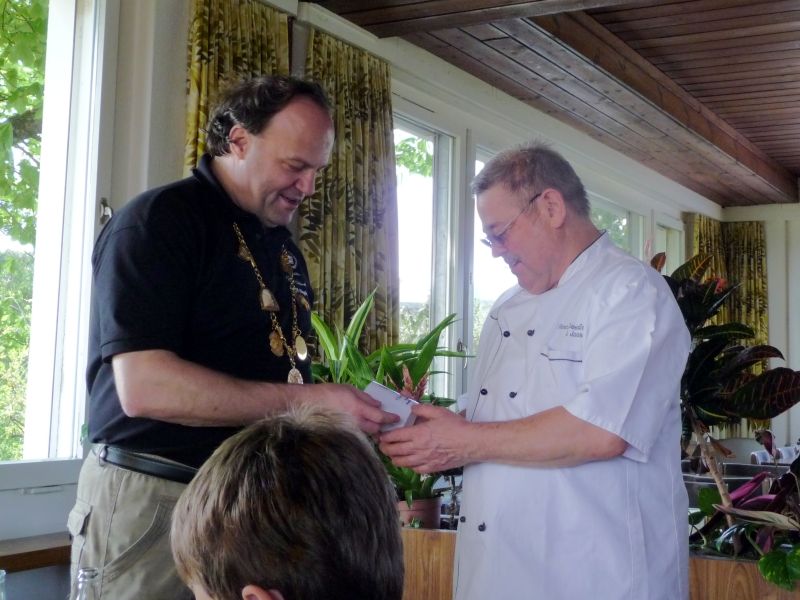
(87, 584)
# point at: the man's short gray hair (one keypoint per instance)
(533, 167)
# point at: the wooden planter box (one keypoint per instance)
(428, 555)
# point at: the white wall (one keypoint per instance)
(150, 112)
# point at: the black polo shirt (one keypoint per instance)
(167, 276)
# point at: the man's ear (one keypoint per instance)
(238, 139)
(253, 592)
(553, 207)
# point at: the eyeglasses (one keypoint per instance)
(494, 239)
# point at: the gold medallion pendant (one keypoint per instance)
(268, 302)
(244, 254)
(278, 343)
(300, 347)
(275, 343)
(294, 376)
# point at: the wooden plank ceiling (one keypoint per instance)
(706, 92)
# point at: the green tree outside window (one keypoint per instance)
(22, 54)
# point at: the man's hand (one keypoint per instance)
(436, 442)
(360, 405)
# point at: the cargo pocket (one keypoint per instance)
(156, 533)
(77, 522)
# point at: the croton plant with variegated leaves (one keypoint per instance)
(719, 386)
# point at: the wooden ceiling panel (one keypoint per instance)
(402, 17)
(706, 92)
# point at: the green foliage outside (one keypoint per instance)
(16, 271)
(616, 226)
(415, 155)
(414, 321)
(22, 53)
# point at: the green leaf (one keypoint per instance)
(325, 336)
(391, 368)
(775, 570)
(694, 268)
(793, 562)
(726, 331)
(696, 516)
(426, 489)
(353, 332)
(767, 395)
(416, 155)
(6, 137)
(706, 499)
(427, 348)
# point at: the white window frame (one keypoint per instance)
(444, 234)
(676, 240)
(81, 57)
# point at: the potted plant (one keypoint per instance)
(719, 386)
(403, 367)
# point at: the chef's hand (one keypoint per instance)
(439, 440)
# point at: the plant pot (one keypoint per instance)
(428, 511)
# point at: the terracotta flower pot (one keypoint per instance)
(427, 510)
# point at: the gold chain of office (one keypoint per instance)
(278, 343)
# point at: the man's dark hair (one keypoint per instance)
(253, 103)
(298, 503)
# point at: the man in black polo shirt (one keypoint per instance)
(200, 312)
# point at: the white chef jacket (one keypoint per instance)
(609, 344)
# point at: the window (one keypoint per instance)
(490, 276)
(623, 226)
(414, 156)
(22, 51)
(424, 199)
(669, 239)
(48, 220)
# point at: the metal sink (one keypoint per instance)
(734, 475)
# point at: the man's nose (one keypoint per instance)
(498, 249)
(305, 182)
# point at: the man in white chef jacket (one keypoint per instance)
(571, 426)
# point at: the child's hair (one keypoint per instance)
(297, 503)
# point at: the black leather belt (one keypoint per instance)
(145, 464)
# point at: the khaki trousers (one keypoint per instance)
(120, 525)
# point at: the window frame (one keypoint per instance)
(676, 240)
(444, 227)
(80, 58)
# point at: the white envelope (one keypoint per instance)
(392, 402)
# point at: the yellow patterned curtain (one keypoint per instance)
(746, 257)
(229, 40)
(739, 253)
(707, 238)
(348, 228)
